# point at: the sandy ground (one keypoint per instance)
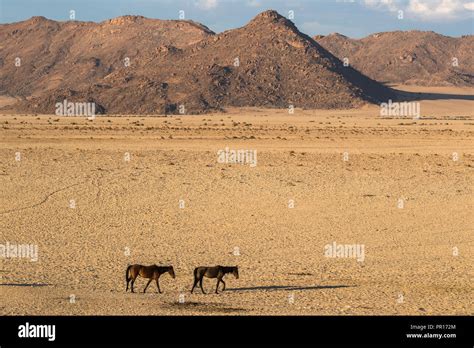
(417, 258)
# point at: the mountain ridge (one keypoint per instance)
(408, 57)
(176, 65)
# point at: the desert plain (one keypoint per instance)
(98, 195)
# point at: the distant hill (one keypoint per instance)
(407, 57)
(267, 63)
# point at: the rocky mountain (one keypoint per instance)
(408, 57)
(70, 58)
(135, 65)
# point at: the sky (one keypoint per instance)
(354, 18)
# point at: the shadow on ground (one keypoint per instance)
(412, 96)
(205, 307)
(290, 287)
(28, 284)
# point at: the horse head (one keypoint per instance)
(171, 272)
(235, 272)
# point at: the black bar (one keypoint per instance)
(242, 330)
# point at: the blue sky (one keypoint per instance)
(354, 18)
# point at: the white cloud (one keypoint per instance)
(206, 4)
(469, 6)
(426, 9)
(437, 9)
(254, 3)
(391, 5)
(210, 4)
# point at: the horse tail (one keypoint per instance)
(127, 279)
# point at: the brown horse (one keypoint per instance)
(150, 272)
(213, 272)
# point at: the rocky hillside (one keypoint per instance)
(135, 65)
(408, 57)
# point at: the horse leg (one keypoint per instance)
(144, 290)
(200, 284)
(126, 278)
(158, 285)
(195, 283)
(217, 285)
(223, 282)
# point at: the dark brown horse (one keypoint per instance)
(150, 272)
(213, 272)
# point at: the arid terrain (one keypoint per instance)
(422, 58)
(345, 171)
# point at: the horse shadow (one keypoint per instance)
(25, 284)
(289, 288)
